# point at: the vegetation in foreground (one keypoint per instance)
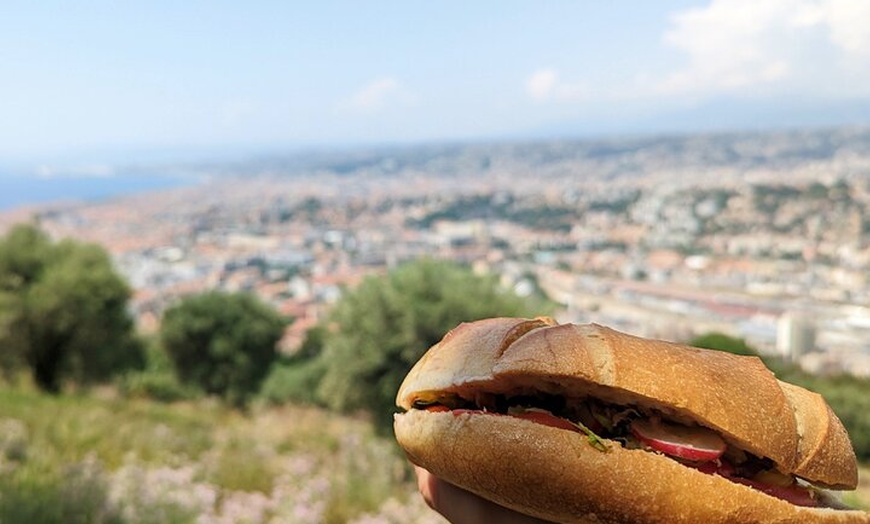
(105, 460)
(102, 459)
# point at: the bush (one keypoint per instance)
(723, 342)
(222, 343)
(162, 386)
(295, 378)
(386, 324)
(157, 381)
(63, 311)
(293, 382)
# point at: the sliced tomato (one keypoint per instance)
(686, 442)
(546, 418)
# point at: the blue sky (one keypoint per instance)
(94, 75)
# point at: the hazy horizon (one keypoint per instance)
(97, 176)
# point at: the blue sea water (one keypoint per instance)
(19, 190)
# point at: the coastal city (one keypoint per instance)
(762, 236)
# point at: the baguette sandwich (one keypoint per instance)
(584, 424)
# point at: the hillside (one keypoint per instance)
(100, 459)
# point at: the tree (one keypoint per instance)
(723, 342)
(63, 310)
(386, 324)
(221, 342)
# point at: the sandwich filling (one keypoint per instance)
(604, 425)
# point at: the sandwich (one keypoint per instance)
(585, 424)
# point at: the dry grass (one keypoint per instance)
(140, 461)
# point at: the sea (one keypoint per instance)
(20, 190)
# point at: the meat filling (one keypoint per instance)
(633, 427)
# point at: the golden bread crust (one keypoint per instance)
(735, 395)
(824, 445)
(708, 386)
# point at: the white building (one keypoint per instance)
(795, 335)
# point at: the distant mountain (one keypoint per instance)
(720, 115)
(616, 156)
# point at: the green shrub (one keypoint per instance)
(293, 382)
(63, 311)
(723, 342)
(157, 385)
(385, 325)
(158, 381)
(75, 495)
(222, 343)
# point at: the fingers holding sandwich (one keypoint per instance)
(462, 507)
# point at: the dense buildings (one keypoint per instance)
(762, 236)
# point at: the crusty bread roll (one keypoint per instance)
(556, 474)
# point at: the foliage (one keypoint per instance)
(157, 381)
(156, 385)
(222, 343)
(294, 382)
(294, 378)
(722, 342)
(101, 460)
(62, 310)
(77, 494)
(386, 324)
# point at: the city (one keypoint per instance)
(762, 236)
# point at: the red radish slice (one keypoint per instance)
(690, 443)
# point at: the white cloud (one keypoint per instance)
(735, 45)
(849, 25)
(813, 48)
(544, 84)
(377, 95)
(541, 84)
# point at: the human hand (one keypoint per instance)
(462, 507)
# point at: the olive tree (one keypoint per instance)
(63, 310)
(378, 330)
(223, 343)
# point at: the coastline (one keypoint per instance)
(22, 191)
